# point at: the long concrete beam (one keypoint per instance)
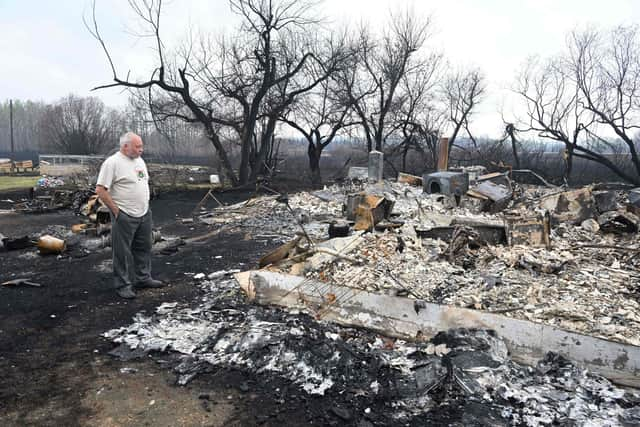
(414, 319)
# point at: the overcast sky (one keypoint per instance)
(47, 53)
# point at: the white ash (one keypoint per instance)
(472, 368)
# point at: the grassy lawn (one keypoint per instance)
(17, 182)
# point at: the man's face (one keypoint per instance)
(135, 148)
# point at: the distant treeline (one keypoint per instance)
(85, 125)
(76, 125)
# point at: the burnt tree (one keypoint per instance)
(462, 91)
(419, 120)
(321, 115)
(606, 69)
(575, 97)
(229, 85)
(372, 84)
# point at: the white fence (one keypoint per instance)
(60, 159)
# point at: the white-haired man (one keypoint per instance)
(123, 185)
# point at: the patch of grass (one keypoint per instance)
(17, 182)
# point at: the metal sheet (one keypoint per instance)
(570, 206)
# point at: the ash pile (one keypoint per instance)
(459, 377)
(476, 300)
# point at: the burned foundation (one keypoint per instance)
(544, 275)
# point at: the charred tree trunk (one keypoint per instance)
(378, 139)
(245, 150)
(222, 155)
(568, 163)
(405, 150)
(314, 152)
(511, 131)
(266, 141)
(453, 137)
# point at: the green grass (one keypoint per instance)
(17, 182)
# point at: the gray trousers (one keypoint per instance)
(131, 245)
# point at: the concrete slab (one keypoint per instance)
(415, 319)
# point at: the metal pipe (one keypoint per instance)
(11, 125)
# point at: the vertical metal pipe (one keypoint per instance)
(11, 124)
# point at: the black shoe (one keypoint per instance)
(126, 292)
(150, 283)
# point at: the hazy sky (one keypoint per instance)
(47, 53)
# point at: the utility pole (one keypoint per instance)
(11, 124)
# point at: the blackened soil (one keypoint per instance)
(55, 365)
(51, 352)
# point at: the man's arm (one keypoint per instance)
(103, 194)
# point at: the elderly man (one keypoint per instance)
(123, 185)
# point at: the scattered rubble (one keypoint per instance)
(542, 270)
(561, 258)
(48, 199)
(50, 182)
(16, 243)
(572, 206)
(497, 196)
(367, 210)
(484, 254)
(416, 319)
(358, 173)
(619, 222)
(464, 375)
(79, 241)
(405, 178)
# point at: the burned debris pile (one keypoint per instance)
(553, 271)
(567, 258)
(458, 376)
(50, 199)
(90, 234)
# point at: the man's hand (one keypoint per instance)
(104, 195)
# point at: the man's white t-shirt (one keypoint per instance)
(128, 183)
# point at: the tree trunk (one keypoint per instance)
(266, 140)
(514, 148)
(405, 150)
(379, 140)
(222, 155)
(454, 135)
(245, 152)
(315, 152)
(248, 129)
(369, 142)
(568, 162)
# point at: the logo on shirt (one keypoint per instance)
(140, 173)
